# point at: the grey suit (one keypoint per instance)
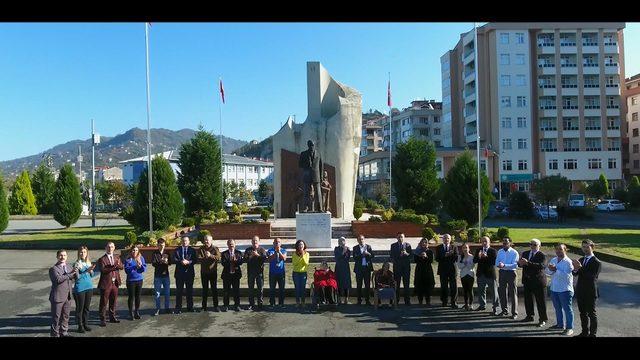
(60, 298)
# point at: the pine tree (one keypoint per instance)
(22, 201)
(168, 206)
(414, 176)
(634, 191)
(460, 195)
(67, 198)
(43, 184)
(4, 207)
(200, 177)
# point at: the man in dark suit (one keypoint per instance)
(110, 266)
(401, 255)
(363, 266)
(312, 171)
(255, 256)
(60, 296)
(587, 268)
(534, 281)
(446, 255)
(485, 257)
(184, 257)
(231, 274)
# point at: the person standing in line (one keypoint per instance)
(467, 275)
(561, 270)
(255, 257)
(587, 269)
(507, 262)
(231, 259)
(400, 253)
(134, 266)
(83, 288)
(209, 256)
(300, 260)
(534, 282)
(446, 255)
(485, 257)
(161, 279)
(362, 267)
(277, 257)
(61, 275)
(110, 280)
(341, 254)
(185, 258)
(423, 281)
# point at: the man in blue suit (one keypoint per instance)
(184, 257)
(401, 255)
(363, 266)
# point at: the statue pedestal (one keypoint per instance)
(314, 229)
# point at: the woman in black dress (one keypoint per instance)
(424, 280)
(341, 254)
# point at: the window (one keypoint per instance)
(553, 164)
(522, 122)
(436, 131)
(636, 148)
(519, 38)
(569, 123)
(504, 59)
(520, 80)
(547, 145)
(483, 165)
(592, 123)
(522, 164)
(519, 59)
(636, 164)
(571, 144)
(635, 132)
(634, 116)
(634, 100)
(614, 144)
(613, 163)
(506, 123)
(507, 165)
(506, 144)
(570, 164)
(595, 164)
(522, 143)
(522, 101)
(504, 38)
(548, 124)
(505, 80)
(506, 101)
(436, 119)
(439, 166)
(613, 123)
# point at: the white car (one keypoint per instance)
(542, 213)
(610, 205)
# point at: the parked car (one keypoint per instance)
(542, 213)
(610, 205)
(228, 203)
(577, 200)
(496, 209)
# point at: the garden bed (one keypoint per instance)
(238, 231)
(388, 229)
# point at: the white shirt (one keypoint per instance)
(110, 256)
(509, 258)
(363, 248)
(562, 278)
(466, 267)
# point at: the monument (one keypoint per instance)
(333, 126)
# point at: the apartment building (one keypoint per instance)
(632, 100)
(549, 99)
(423, 120)
(372, 135)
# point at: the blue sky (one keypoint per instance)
(55, 77)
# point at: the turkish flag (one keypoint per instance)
(222, 91)
(389, 94)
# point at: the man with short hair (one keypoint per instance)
(561, 270)
(277, 256)
(110, 280)
(231, 273)
(485, 257)
(60, 275)
(208, 256)
(255, 256)
(587, 268)
(363, 266)
(534, 281)
(507, 262)
(185, 258)
(161, 278)
(401, 255)
(447, 255)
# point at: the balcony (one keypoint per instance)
(570, 91)
(611, 68)
(468, 56)
(469, 76)
(612, 90)
(550, 91)
(611, 48)
(591, 91)
(590, 47)
(569, 69)
(613, 111)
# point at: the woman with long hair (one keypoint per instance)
(83, 287)
(342, 254)
(300, 262)
(467, 275)
(134, 266)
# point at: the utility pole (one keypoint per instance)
(95, 139)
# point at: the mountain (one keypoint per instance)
(111, 150)
(254, 149)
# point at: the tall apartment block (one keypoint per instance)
(371, 135)
(549, 99)
(421, 120)
(632, 96)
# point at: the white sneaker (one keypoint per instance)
(568, 332)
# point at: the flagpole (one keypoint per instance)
(149, 171)
(220, 135)
(475, 43)
(390, 126)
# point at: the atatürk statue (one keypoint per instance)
(312, 170)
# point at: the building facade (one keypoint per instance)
(632, 100)
(549, 100)
(372, 139)
(421, 120)
(106, 173)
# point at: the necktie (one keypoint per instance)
(530, 255)
(584, 263)
(110, 260)
(64, 269)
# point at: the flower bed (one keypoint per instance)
(387, 229)
(238, 231)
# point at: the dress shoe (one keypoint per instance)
(204, 309)
(582, 334)
(249, 307)
(237, 308)
(454, 306)
(465, 307)
(504, 313)
(103, 324)
(80, 329)
(542, 323)
(527, 319)
(514, 316)
(568, 332)
(114, 320)
(224, 309)
(177, 311)
(86, 328)
(167, 311)
(136, 315)
(216, 309)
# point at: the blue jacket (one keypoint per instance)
(133, 273)
(84, 280)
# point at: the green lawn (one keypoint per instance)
(94, 238)
(623, 243)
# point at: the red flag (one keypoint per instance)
(222, 91)
(486, 152)
(389, 94)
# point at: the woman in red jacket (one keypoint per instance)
(325, 283)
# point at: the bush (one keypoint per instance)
(357, 213)
(129, 215)
(433, 219)
(222, 216)
(359, 202)
(250, 221)
(502, 232)
(520, 205)
(410, 217)
(473, 235)
(375, 218)
(621, 194)
(428, 233)
(202, 234)
(150, 238)
(387, 215)
(236, 219)
(408, 211)
(172, 229)
(188, 222)
(264, 215)
(67, 199)
(235, 210)
(130, 238)
(4, 207)
(457, 225)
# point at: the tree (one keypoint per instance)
(520, 205)
(67, 198)
(22, 201)
(599, 188)
(112, 192)
(414, 175)
(200, 176)
(265, 190)
(381, 193)
(238, 192)
(43, 184)
(4, 207)
(550, 189)
(168, 207)
(634, 191)
(460, 195)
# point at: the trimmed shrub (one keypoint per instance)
(222, 216)
(409, 215)
(428, 233)
(433, 219)
(264, 214)
(188, 222)
(357, 213)
(172, 228)
(520, 205)
(473, 235)
(375, 218)
(202, 234)
(4, 207)
(67, 201)
(22, 201)
(457, 225)
(387, 215)
(236, 219)
(502, 232)
(129, 215)
(131, 238)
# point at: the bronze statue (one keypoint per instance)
(326, 190)
(312, 168)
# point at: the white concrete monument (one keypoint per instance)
(314, 229)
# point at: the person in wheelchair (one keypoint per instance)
(325, 285)
(384, 286)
